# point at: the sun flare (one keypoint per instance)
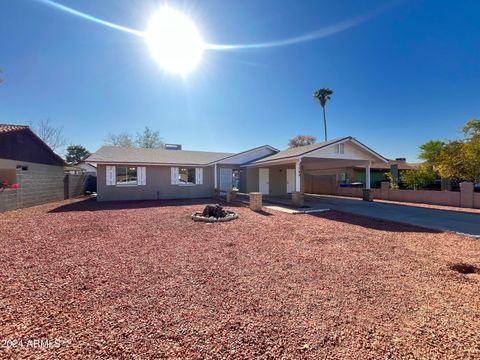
(174, 41)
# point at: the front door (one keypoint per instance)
(225, 179)
(263, 181)
(290, 181)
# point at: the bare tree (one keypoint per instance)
(123, 139)
(149, 139)
(301, 140)
(51, 135)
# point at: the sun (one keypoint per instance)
(174, 41)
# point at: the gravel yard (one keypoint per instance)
(143, 280)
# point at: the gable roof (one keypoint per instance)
(299, 151)
(232, 157)
(126, 155)
(305, 150)
(9, 129)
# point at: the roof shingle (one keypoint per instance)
(7, 128)
(116, 154)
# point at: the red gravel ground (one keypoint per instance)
(142, 280)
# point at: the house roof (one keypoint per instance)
(402, 165)
(126, 155)
(7, 128)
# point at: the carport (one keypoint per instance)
(293, 170)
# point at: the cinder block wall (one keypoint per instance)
(8, 199)
(40, 184)
(75, 185)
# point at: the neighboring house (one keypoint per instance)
(395, 167)
(72, 169)
(81, 168)
(141, 174)
(88, 169)
(27, 161)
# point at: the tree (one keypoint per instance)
(451, 163)
(123, 139)
(149, 139)
(323, 95)
(76, 154)
(301, 140)
(457, 159)
(471, 130)
(51, 135)
(430, 151)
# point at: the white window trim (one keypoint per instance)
(198, 177)
(125, 185)
(339, 148)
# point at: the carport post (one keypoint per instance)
(367, 194)
(367, 176)
(298, 177)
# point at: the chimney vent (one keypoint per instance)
(172, 146)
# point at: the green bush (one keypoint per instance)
(415, 179)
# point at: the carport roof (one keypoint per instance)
(305, 150)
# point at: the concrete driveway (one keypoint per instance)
(445, 220)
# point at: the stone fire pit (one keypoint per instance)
(214, 213)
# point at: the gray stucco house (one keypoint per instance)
(145, 174)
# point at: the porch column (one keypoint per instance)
(367, 176)
(215, 176)
(298, 166)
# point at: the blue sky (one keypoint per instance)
(409, 74)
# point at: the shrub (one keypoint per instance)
(415, 179)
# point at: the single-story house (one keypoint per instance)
(27, 161)
(88, 169)
(141, 174)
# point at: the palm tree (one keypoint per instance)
(323, 95)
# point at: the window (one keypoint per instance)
(186, 176)
(236, 179)
(126, 175)
(340, 149)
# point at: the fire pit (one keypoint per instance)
(214, 213)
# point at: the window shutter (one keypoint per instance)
(174, 175)
(199, 176)
(110, 175)
(142, 175)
